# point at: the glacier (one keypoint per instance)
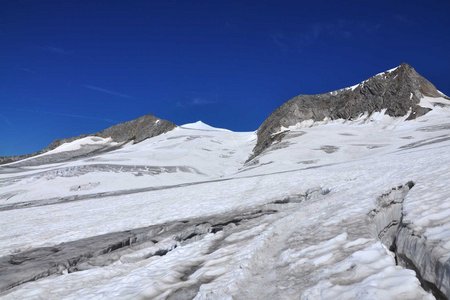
(337, 209)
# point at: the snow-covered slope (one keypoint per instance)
(189, 153)
(199, 125)
(333, 210)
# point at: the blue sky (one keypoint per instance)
(72, 67)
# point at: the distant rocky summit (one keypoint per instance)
(135, 130)
(398, 91)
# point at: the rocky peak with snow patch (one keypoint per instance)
(397, 91)
(136, 130)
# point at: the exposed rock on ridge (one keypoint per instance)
(398, 91)
(135, 130)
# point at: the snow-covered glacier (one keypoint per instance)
(335, 209)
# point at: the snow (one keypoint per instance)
(199, 125)
(320, 248)
(388, 71)
(442, 94)
(74, 145)
(430, 102)
(77, 144)
(203, 155)
(353, 87)
(378, 279)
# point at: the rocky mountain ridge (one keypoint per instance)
(398, 91)
(136, 130)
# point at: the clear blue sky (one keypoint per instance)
(72, 67)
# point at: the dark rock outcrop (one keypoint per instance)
(135, 130)
(398, 91)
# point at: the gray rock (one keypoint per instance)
(138, 129)
(398, 91)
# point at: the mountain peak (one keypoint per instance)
(403, 67)
(199, 125)
(397, 91)
(136, 130)
(402, 75)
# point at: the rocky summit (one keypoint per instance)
(397, 91)
(136, 131)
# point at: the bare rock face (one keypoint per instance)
(135, 130)
(138, 129)
(398, 91)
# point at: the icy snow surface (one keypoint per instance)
(77, 144)
(319, 185)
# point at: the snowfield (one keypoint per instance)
(329, 212)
